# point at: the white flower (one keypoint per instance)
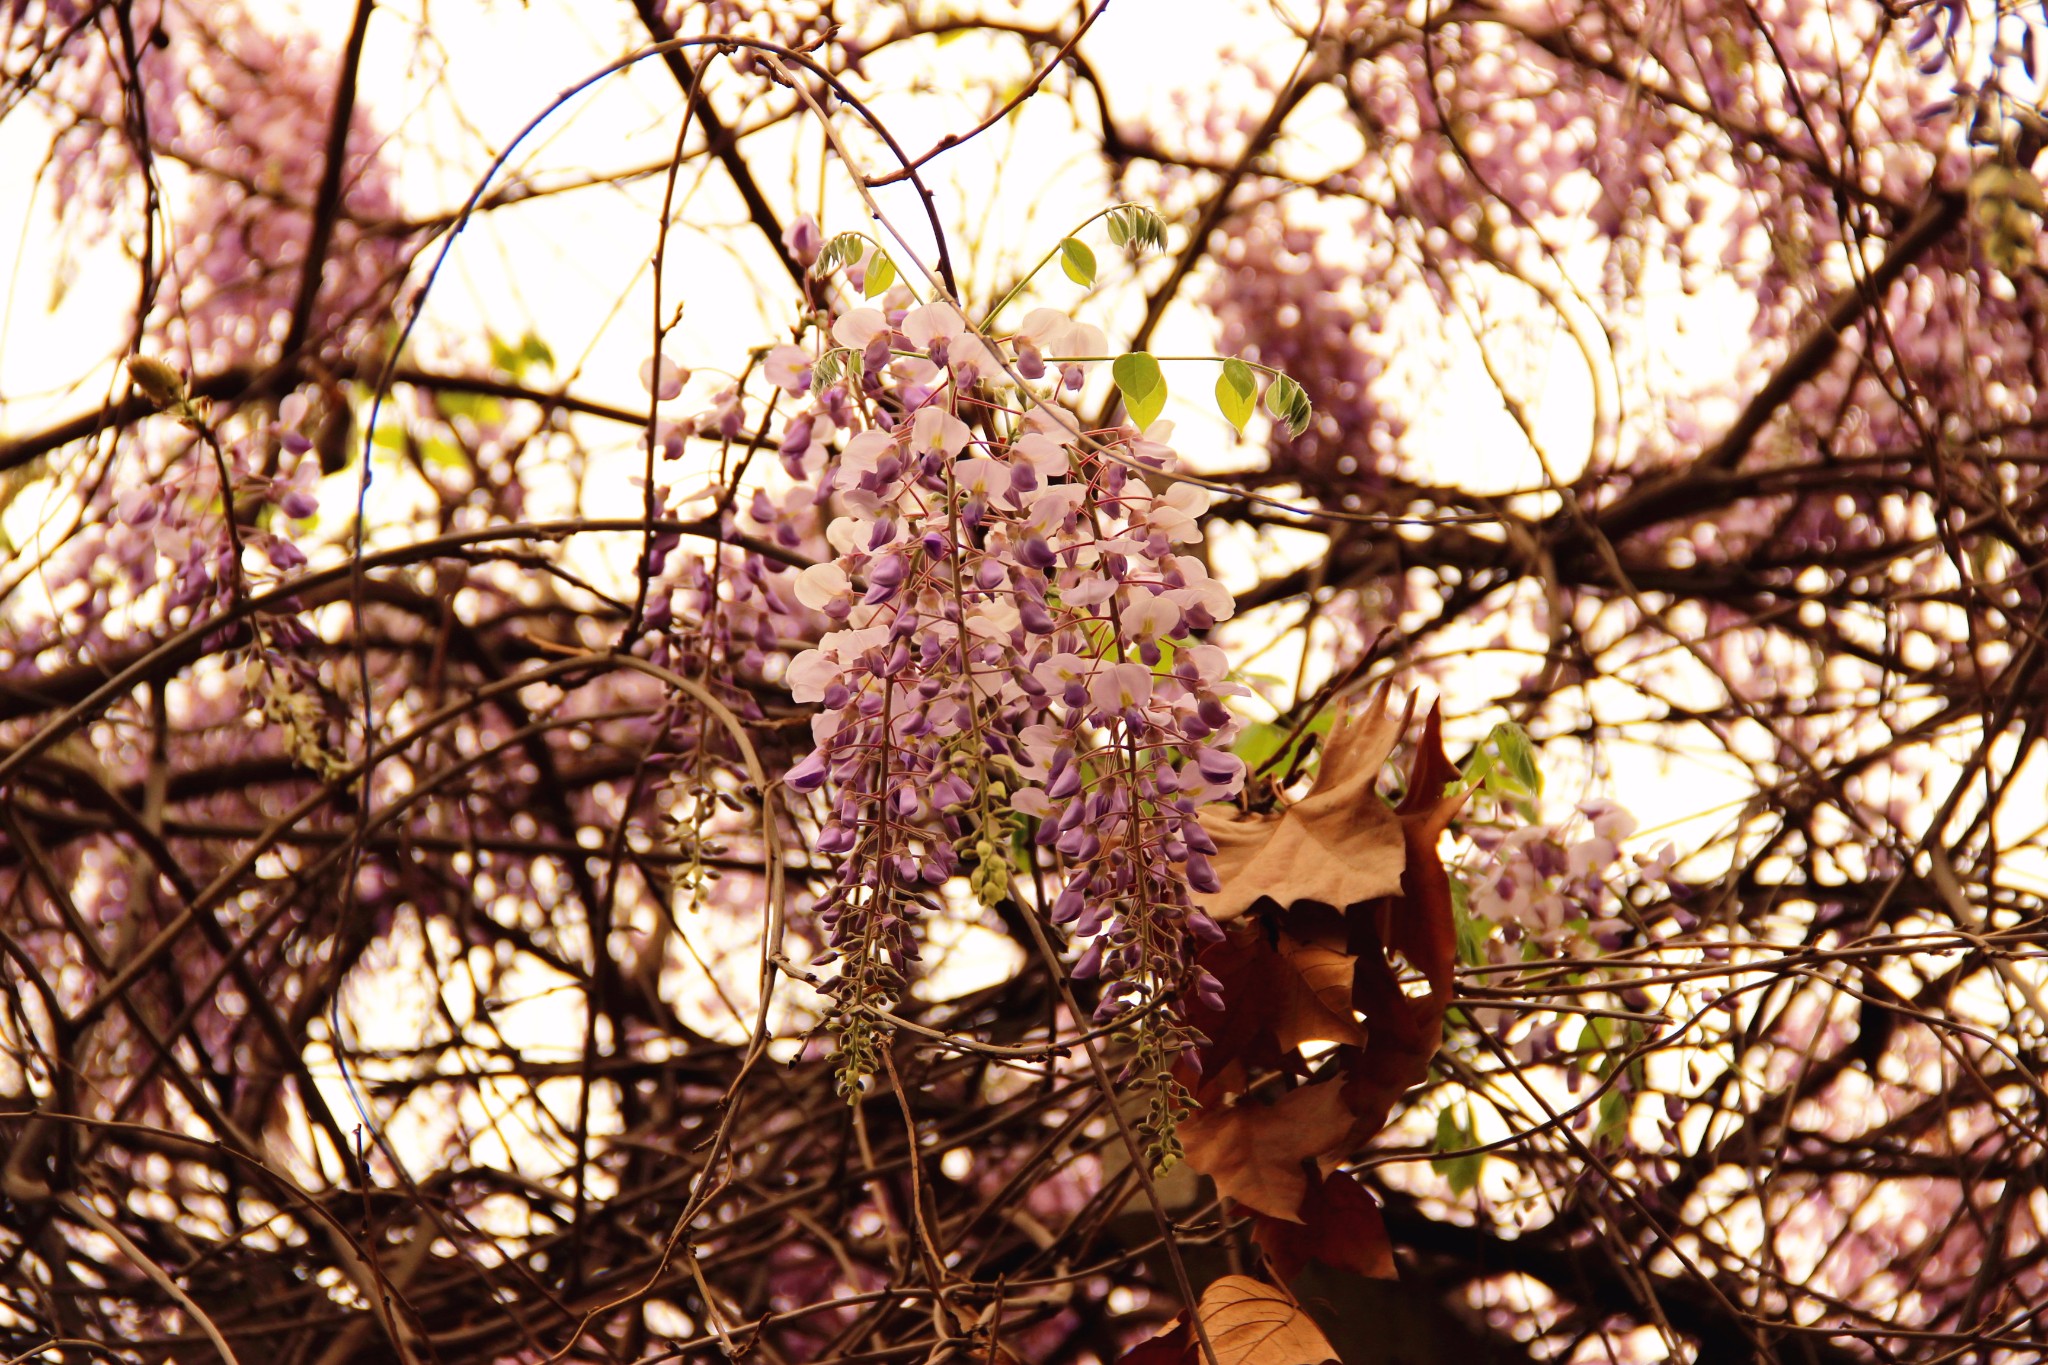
(1088, 591)
(849, 535)
(809, 674)
(982, 478)
(659, 375)
(1043, 453)
(819, 586)
(789, 369)
(1202, 591)
(1055, 673)
(932, 322)
(1151, 617)
(1176, 511)
(1121, 686)
(936, 429)
(1210, 662)
(862, 454)
(858, 328)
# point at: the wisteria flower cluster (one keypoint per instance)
(1556, 888)
(238, 230)
(1013, 652)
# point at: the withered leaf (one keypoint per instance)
(1275, 999)
(1337, 846)
(1404, 1030)
(1174, 1345)
(1248, 1323)
(1254, 1152)
(1341, 1228)
(1327, 975)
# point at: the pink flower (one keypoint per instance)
(662, 377)
(1120, 688)
(789, 369)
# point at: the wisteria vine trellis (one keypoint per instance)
(943, 650)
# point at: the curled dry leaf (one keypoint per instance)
(1340, 1226)
(1248, 1323)
(1251, 1323)
(1337, 846)
(1256, 1153)
(1327, 974)
(1335, 970)
(1279, 994)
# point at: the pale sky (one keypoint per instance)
(575, 267)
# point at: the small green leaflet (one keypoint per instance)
(1261, 743)
(1455, 1134)
(1504, 767)
(1137, 228)
(1237, 393)
(881, 274)
(1287, 403)
(517, 360)
(828, 370)
(479, 408)
(442, 454)
(1614, 1116)
(1078, 261)
(1511, 742)
(1143, 387)
(844, 249)
(1473, 931)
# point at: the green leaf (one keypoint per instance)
(881, 274)
(1261, 740)
(1287, 403)
(477, 407)
(1452, 1134)
(1119, 234)
(1613, 1117)
(1473, 931)
(1237, 393)
(442, 454)
(1143, 387)
(1511, 741)
(1148, 229)
(517, 360)
(1078, 261)
(826, 372)
(841, 250)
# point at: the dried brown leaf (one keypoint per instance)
(1327, 975)
(1275, 999)
(1254, 1152)
(1336, 846)
(1250, 1323)
(1341, 1227)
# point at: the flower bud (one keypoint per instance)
(803, 240)
(159, 383)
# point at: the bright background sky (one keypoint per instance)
(575, 268)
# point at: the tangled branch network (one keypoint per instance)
(972, 857)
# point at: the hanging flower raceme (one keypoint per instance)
(1016, 638)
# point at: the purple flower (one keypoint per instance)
(809, 775)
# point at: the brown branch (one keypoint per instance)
(327, 202)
